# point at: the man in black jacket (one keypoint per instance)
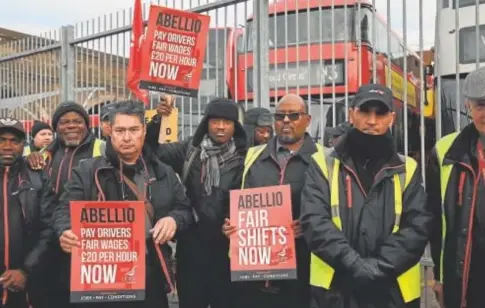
(258, 124)
(74, 142)
(364, 214)
(27, 202)
(102, 179)
(456, 193)
(284, 160)
(210, 165)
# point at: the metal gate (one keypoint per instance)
(259, 50)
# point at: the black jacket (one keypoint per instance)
(266, 171)
(367, 223)
(62, 160)
(210, 210)
(30, 201)
(460, 198)
(93, 176)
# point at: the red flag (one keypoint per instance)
(134, 66)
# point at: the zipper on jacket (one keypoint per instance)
(460, 188)
(59, 171)
(6, 230)
(468, 246)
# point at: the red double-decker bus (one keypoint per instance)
(323, 65)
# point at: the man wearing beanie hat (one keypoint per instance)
(258, 123)
(210, 165)
(42, 136)
(27, 202)
(74, 143)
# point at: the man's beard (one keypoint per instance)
(288, 140)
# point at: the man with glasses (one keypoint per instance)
(258, 124)
(283, 160)
(456, 193)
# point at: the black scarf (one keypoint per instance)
(369, 153)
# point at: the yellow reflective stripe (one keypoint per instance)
(251, 157)
(334, 195)
(397, 203)
(27, 151)
(442, 147)
(410, 284)
(97, 147)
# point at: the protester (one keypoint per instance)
(104, 118)
(334, 134)
(456, 193)
(258, 124)
(27, 202)
(126, 166)
(283, 161)
(74, 142)
(364, 214)
(42, 136)
(210, 165)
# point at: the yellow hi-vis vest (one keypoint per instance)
(98, 144)
(253, 154)
(321, 274)
(442, 147)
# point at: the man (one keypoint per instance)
(334, 134)
(127, 166)
(42, 136)
(258, 124)
(210, 165)
(283, 161)
(456, 193)
(74, 142)
(26, 202)
(364, 214)
(104, 118)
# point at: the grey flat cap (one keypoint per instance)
(475, 85)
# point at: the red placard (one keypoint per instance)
(110, 264)
(263, 248)
(173, 51)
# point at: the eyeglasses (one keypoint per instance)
(293, 116)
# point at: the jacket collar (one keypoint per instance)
(305, 153)
(463, 146)
(395, 164)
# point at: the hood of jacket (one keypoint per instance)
(251, 122)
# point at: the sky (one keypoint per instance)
(41, 16)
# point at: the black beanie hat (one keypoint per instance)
(38, 126)
(66, 107)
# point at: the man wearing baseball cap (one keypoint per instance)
(456, 193)
(364, 213)
(27, 202)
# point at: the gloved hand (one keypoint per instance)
(365, 272)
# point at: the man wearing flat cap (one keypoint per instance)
(456, 194)
(364, 214)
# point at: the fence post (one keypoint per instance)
(261, 53)
(67, 64)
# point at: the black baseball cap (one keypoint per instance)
(12, 125)
(373, 93)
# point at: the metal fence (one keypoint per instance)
(259, 50)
